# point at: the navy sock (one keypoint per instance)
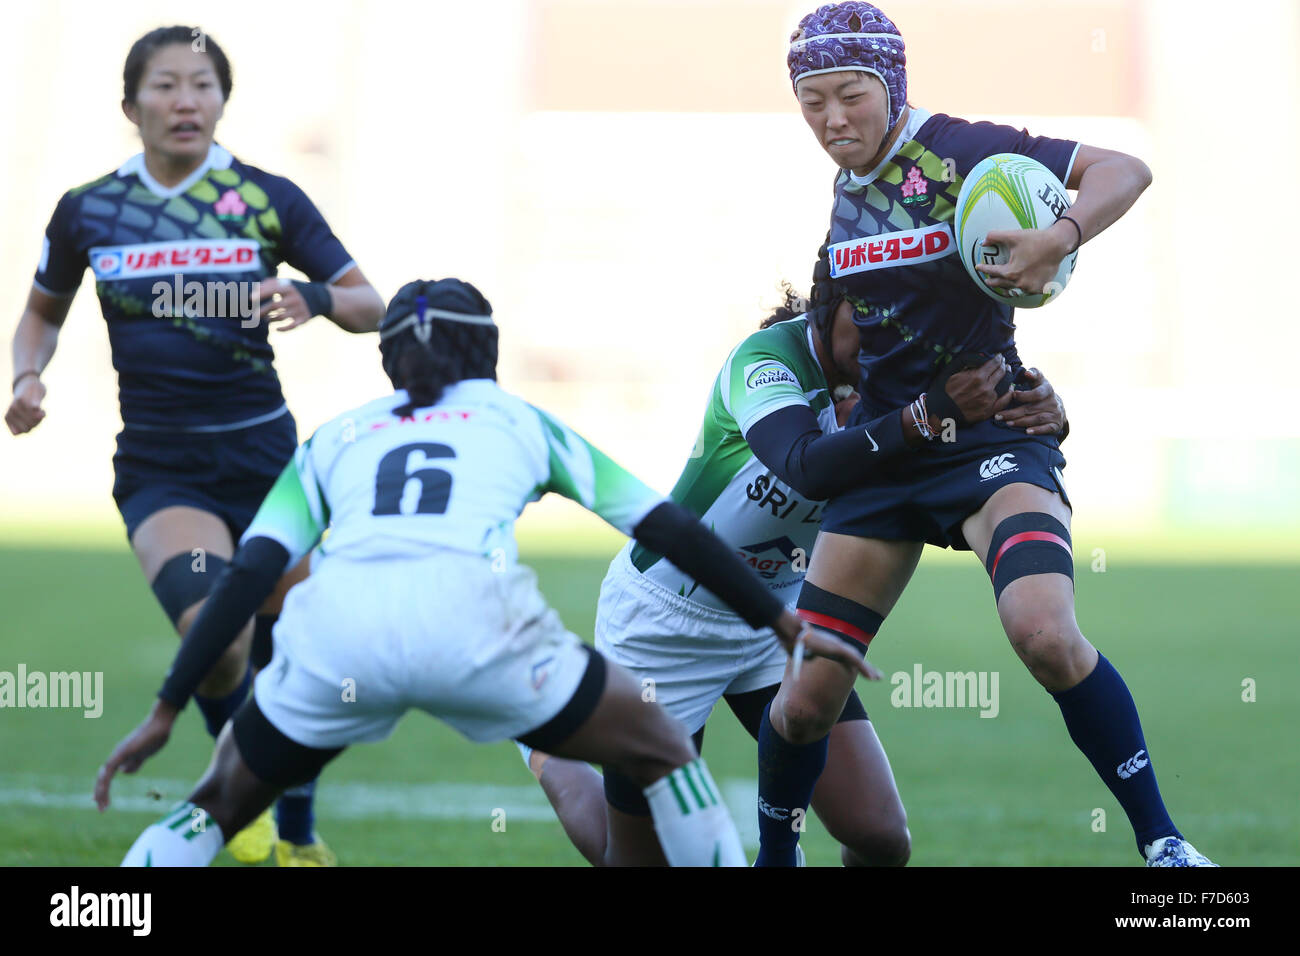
(787, 775)
(217, 710)
(1103, 722)
(295, 817)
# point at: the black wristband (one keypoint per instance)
(316, 295)
(23, 375)
(1077, 229)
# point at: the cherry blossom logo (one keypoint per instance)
(230, 207)
(914, 188)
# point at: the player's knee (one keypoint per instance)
(227, 673)
(805, 719)
(182, 582)
(1047, 645)
(888, 844)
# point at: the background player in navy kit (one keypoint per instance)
(178, 238)
(991, 491)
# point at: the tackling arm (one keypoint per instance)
(246, 582)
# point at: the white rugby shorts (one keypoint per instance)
(358, 643)
(689, 653)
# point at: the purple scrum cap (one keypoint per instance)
(853, 35)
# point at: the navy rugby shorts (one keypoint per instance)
(224, 473)
(926, 494)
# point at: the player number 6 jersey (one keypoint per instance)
(452, 476)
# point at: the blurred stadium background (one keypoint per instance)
(628, 181)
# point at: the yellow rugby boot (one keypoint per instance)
(313, 854)
(254, 843)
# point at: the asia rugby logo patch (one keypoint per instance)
(762, 374)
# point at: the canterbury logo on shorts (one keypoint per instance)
(998, 466)
(907, 247)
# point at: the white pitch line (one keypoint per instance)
(477, 801)
(347, 801)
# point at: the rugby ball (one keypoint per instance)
(1009, 191)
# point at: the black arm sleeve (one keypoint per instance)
(791, 443)
(246, 582)
(671, 530)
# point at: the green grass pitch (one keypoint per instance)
(1011, 790)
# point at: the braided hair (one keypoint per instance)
(435, 334)
(822, 301)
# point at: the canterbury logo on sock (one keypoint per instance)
(776, 813)
(1132, 765)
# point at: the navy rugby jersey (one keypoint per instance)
(174, 269)
(892, 245)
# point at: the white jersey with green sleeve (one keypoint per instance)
(455, 476)
(770, 526)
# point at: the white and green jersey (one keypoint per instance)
(770, 526)
(452, 476)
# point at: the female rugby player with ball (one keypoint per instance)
(770, 450)
(992, 491)
(182, 238)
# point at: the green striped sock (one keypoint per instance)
(694, 826)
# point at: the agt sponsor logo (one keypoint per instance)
(166, 258)
(762, 374)
(906, 248)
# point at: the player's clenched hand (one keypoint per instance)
(25, 411)
(1033, 256)
(137, 747)
(282, 302)
(1038, 410)
(844, 409)
(974, 391)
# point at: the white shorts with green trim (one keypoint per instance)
(360, 642)
(685, 655)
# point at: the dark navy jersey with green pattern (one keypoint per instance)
(176, 272)
(770, 526)
(892, 245)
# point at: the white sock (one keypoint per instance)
(185, 837)
(693, 824)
